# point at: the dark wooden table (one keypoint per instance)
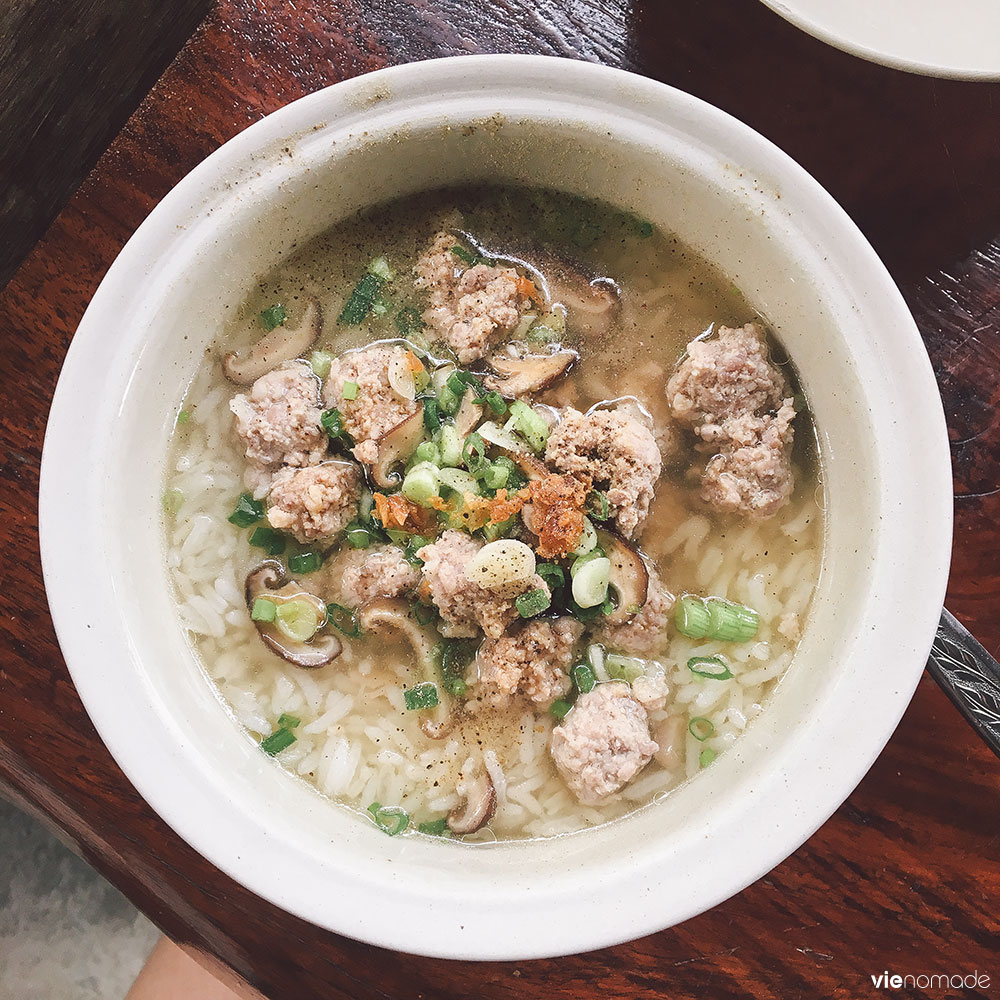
(905, 877)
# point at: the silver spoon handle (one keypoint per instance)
(969, 676)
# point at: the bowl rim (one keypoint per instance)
(61, 563)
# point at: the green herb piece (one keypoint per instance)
(731, 622)
(706, 757)
(381, 269)
(560, 709)
(389, 819)
(172, 501)
(494, 401)
(408, 321)
(495, 476)
(286, 721)
(349, 390)
(459, 381)
(320, 362)
(182, 418)
(358, 536)
(701, 728)
(624, 668)
(273, 316)
(474, 453)
(423, 614)
(465, 255)
(454, 657)
(421, 696)
(643, 228)
(344, 620)
(305, 562)
(435, 828)
(529, 424)
(361, 300)
(449, 445)
(711, 667)
(413, 546)
(263, 610)
(553, 575)
(591, 580)
(432, 415)
(271, 541)
(332, 422)
(533, 603)
(421, 484)
(583, 678)
(427, 451)
(691, 617)
(279, 740)
(448, 402)
(246, 512)
(297, 619)
(597, 505)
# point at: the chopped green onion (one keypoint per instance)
(706, 757)
(529, 424)
(583, 678)
(297, 619)
(590, 582)
(344, 620)
(361, 300)
(271, 541)
(588, 539)
(542, 333)
(320, 362)
(182, 418)
(389, 819)
(279, 740)
(305, 562)
(459, 480)
(263, 610)
(408, 321)
(427, 451)
(380, 267)
(421, 484)
(423, 614)
(432, 415)
(691, 617)
(413, 546)
(731, 622)
(448, 402)
(532, 603)
(644, 229)
(474, 453)
(587, 557)
(465, 255)
(495, 476)
(459, 381)
(493, 530)
(597, 505)
(172, 501)
(286, 721)
(421, 696)
(273, 316)
(711, 667)
(358, 536)
(435, 828)
(553, 575)
(458, 688)
(350, 390)
(560, 709)
(701, 728)
(583, 614)
(333, 423)
(246, 512)
(624, 668)
(494, 401)
(454, 657)
(449, 446)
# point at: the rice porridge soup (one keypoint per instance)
(494, 514)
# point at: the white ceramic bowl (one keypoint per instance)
(689, 168)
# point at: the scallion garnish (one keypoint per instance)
(421, 696)
(583, 678)
(273, 316)
(701, 728)
(343, 620)
(691, 617)
(532, 603)
(246, 512)
(553, 575)
(413, 546)
(333, 423)
(560, 709)
(531, 425)
(263, 610)
(172, 501)
(731, 622)
(279, 740)
(360, 303)
(305, 562)
(321, 362)
(286, 721)
(297, 619)
(494, 401)
(408, 321)
(459, 381)
(454, 656)
(474, 453)
(182, 418)
(435, 828)
(706, 757)
(597, 505)
(495, 476)
(389, 819)
(624, 668)
(358, 536)
(271, 541)
(464, 255)
(422, 613)
(350, 390)
(711, 667)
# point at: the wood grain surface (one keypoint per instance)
(905, 876)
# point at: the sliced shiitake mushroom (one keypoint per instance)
(283, 343)
(532, 373)
(469, 414)
(629, 576)
(269, 580)
(480, 803)
(396, 446)
(394, 613)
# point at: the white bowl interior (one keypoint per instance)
(724, 191)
